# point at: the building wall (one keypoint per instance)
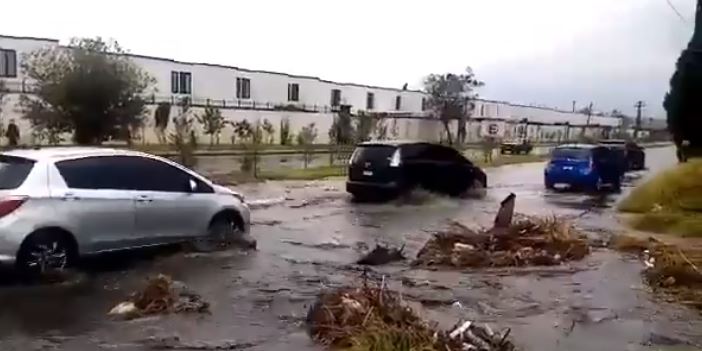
(216, 84)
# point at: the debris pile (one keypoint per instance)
(676, 272)
(382, 255)
(374, 318)
(528, 241)
(669, 269)
(161, 295)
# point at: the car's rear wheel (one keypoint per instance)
(549, 185)
(45, 253)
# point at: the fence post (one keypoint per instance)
(331, 155)
(255, 161)
(306, 156)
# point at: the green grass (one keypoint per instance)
(316, 173)
(504, 160)
(671, 202)
(313, 173)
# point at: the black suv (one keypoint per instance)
(635, 154)
(388, 169)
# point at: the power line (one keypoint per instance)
(682, 18)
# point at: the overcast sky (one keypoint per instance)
(550, 52)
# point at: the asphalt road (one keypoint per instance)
(310, 233)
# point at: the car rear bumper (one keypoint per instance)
(572, 180)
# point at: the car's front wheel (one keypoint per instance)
(45, 253)
(225, 231)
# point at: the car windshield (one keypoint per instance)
(571, 154)
(13, 171)
(372, 153)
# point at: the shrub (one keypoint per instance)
(671, 202)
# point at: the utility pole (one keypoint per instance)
(639, 105)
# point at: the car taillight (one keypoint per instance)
(396, 159)
(11, 203)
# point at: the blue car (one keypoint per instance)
(585, 166)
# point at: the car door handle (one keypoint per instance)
(144, 198)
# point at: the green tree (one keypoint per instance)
(342, 131)
(451, 98)
(306, 138)
(212, 123)
(366, 124)
(243, 130)
(46, 124)
(184, 137)
(286, 136)
(268, 131)
(3, 92)
(307, 135)
(162, 114)
(91, 88)
(682, 103)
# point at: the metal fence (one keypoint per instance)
(22, 87)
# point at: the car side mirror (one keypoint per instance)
(193, 185)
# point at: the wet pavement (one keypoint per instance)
(309, 233)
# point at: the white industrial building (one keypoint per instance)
(261, 95)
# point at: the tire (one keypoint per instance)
(46, 253)
(617, 186)
(548, 185)
(597, 187)
(223, 232)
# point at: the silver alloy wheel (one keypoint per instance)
(48, 257)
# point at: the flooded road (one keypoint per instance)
(309, 234)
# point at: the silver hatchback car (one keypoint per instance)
(57, 204)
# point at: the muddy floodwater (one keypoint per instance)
(309, 233)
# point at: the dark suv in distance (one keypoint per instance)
(388, 169)
(635, 154)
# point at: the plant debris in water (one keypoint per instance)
(161, 295)
(676, 272)
(371, 317)
(530, 241)
(669, 269)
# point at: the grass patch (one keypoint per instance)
(669, 203)
(676, 189)
(504, 160)
(313, 173)
(680, 223)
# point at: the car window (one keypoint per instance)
(153, 175)
(442, 154)
(570, 153)
(372, 153)
(13, 171)
(106, 172)
(127, 173)
(412, 151)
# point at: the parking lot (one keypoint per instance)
(310, 233)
